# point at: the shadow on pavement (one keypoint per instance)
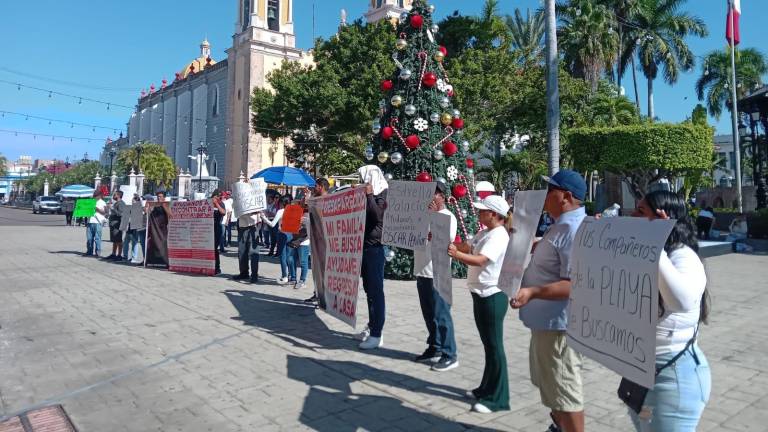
(64, 252)
(295, 322)
(332, 405)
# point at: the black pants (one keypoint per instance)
(69, 217)
(217, 230)
(703, 225)
(248, 251)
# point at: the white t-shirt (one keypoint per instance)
(276, 220)
(228, 205)
(484, 281)
(97, 217)
(305, 223)
(422, 261)
(248, 220)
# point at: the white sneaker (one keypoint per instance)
(480, 408)
(283, 281)
(300, 285)
(363, 335)
(372, 342)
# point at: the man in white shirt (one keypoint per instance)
(95, 223)
(248, 246)
(441, 343)
(228, 202)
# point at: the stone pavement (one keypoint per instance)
(133, 349)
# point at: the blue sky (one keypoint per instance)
(113, 49)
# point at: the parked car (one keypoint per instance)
(46, 204)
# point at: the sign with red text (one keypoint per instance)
(614, 304)
(190, 238)
(343, 218)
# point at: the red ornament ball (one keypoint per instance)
(443, 50)
(470, 163)
(424, 177)
(387, 132)
(412, 141)
(429, 79)
(417, 21)
(450, 148)
(449, 93)
(459, 191)
(457, 239)
(458, 123)
(386, 85)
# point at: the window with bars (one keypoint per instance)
(273, 15)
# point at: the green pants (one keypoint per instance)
(489, 318)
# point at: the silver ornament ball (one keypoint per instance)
(410, 109)
(382, 104)
(431, 8)
(369, 154)
(445, 102)
(405, 74)
(390, 255)
(376, 125)
(404, 16)
(434, 117)
(456, 113)
(438, 154)
(464, 213)
(396, 157)
(388, 176)
(435, 28)
(465, 145)
(470, 237)
(470, 171)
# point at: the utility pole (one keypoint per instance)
(735, 112)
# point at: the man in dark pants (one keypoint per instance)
(317, 248)
(248, 246)
(219, 213)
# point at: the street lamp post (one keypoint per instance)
(761, 193)
(112, 154)
(139, 149)
(200, 151)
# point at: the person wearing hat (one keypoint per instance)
(485, 257)
(441, 343)
(555, 368)
(484, 189)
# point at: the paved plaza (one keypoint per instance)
(133, 349)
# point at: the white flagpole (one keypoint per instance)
(735, 111)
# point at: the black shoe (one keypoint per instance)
(553, 428)
(217, 271)
(254, 279)
(311, 300)
(240, 277)
(429, 356)
(118, 258)
(444, 364)
(110, 258)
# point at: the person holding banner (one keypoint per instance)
(115, 217)
(543, 302)
(93, 234)
(317, 247)
(683, 377)
(484, 257)
(372, 270)
(441, 343)
(219, 213)
(132, 238)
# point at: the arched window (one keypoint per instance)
(246, 13)
(273, 15)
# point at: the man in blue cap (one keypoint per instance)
(543, 301)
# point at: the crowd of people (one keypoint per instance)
(683, 380)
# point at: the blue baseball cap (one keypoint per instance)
(570, 181)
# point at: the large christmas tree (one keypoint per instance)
(418, 132)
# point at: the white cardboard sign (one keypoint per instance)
(246, 199)
(406, 220)
(442, 278)
(128, 192)
(525, 220)
(614, 307)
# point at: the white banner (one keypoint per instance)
(128, 191)
(406, 220)
(260, 193)
(525, 220)
(246, 199)
(442, 277)
(614, 304)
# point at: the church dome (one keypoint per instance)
(204, 61)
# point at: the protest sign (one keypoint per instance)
(406, 220)
(442, 278)
(291, 221)
(245, 199)
(525, 220)
(85, 207)
(128, 192)
(133, 217)
(259, 192)
(157, 234)
(343, 218)
(614, 304)
(317, 249)
(190, 238)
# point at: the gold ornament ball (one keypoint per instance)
(439, 56)
(401, 44)
(383, 157)
(396, 100)
(446, 119)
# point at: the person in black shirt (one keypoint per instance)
(218, 214)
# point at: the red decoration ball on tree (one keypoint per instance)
(417, 21)
(459, 191)
(424, 177)
(412, 141)
(458, 123)
(429, 79)
(470, 163)
(387, 132)
(450, 148)
(443, 50)
(386, 85)
(457, 239)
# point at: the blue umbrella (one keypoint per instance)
(75, 191)
(284, 175)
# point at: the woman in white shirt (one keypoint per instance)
(287, 265)
(485, 257)
(683, 380)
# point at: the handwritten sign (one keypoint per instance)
(614, 304)
(133, 217)
(442, 278)
(317, 247)
(291, 221)
(259, 193)
(128, 192)
(85, 207)
(406, 220)
(190, 238)
(525, 220)
(343, 217)
(246, 200)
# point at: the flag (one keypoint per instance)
(732, 31)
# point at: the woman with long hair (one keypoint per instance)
(287, 265)
(683, 380)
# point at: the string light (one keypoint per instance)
(36, 134)
(50, 120)
(78, 98)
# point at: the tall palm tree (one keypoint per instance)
(713, 86)
(588, 38)
(3, 165)
(661, 29)
(609, 110)
(527, 34)
(499, 169)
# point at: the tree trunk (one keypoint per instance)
(634, 82)
(553, 92)
(650, 99)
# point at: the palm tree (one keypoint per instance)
(3, 165)
(588, 39)
(499, 169)
(527, 34)
(713, 84)
(613, 110)
(660, 32)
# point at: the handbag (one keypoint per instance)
(633, 394)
